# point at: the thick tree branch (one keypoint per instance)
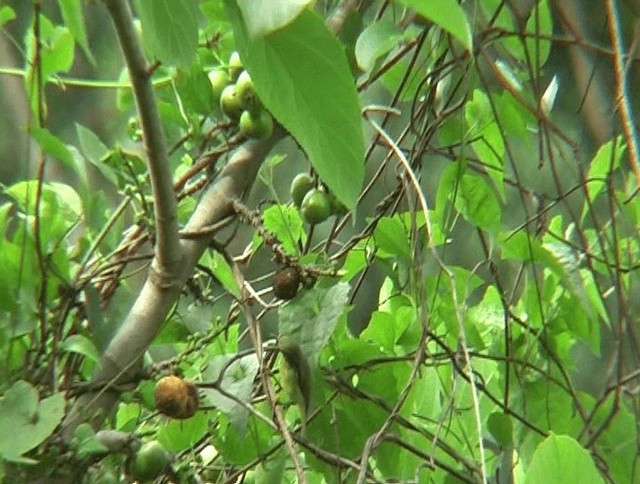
(174, 259)
(121, 359)
(168, 255)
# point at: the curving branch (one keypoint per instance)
(175, 258)
(168, 254)
(120, 361)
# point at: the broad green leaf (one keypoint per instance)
(224, 273)
(620, 432)
(54, 146)
(376, 40)
(265, 16)
(566, 265)
(540, 30)
(96, 152)
(88, 445)
(487, 137)
(560, 459)
(179, 435)
(302, 76)
(242, 448)
(380, 330)
(59, 202)
(77, 343)
(26, 420)
(478, 204)
(194, 89)
(391, 237)
(272, 469)
(170, 29)
(603, 164)
(91, 145)
(501, 428)
(284, 222)
(312, 317)
(55, 56)
(73, 18)
(6, 14)
(235, 377)
(446, 14)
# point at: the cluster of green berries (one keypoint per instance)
(315, 204)
(233, 88)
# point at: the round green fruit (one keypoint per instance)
(244, 89)
(230, 103)
(150, 462)
(315, 207)
(300, 186)
(219, 79)
(235, 65)
(256, 125)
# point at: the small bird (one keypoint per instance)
(295, 375)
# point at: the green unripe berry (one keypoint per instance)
(315, 207)
(256, 125)
(235, 65)
(300, 186)
(150, 462)
(219, 79)
(244, 89)
(230, 103)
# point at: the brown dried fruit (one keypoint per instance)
(286, 282)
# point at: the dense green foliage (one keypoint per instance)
(457, 267)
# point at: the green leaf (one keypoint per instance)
(603, 164)
(224, 273)
(312, 317)
(380, 330)
(501, 428)
(6, 14)
(170, 29)
(391, 237)
(540, 29)
(55, 55)
(73, 18)
(478, 204)
(265, 16)
(179, 435)
(194, 89)
(27, 421)
(92, 147)
(561, 459)
(284, 222)
(237, 380)
(446, 14)
(376, 40)
(87, 444)
(565, 263)
(54, 146)
(77, 343)
(302, 76)
(488, 143)
(96, 152)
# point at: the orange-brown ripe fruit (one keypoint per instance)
(176, 398)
